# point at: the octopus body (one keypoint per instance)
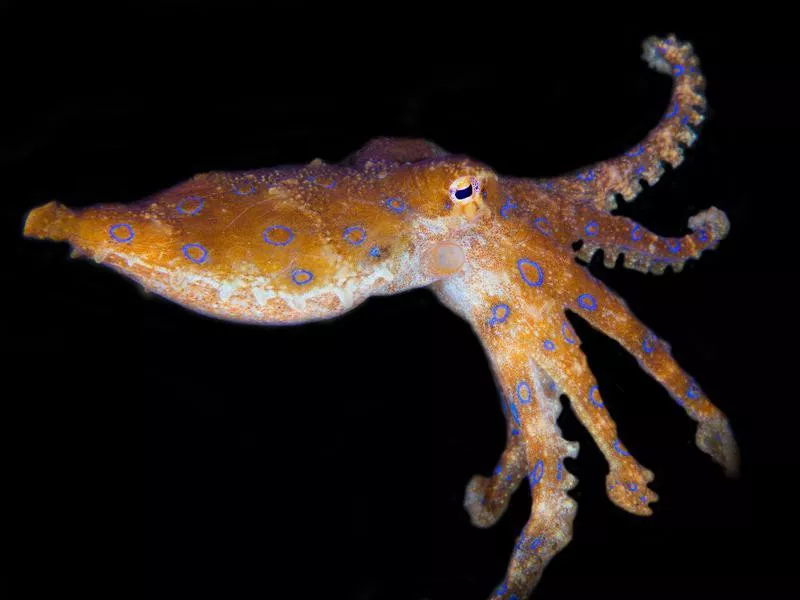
(300, 243)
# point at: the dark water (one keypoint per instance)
(167, 454)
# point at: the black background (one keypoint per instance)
(158, 452)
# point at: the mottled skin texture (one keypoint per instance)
(294, 244)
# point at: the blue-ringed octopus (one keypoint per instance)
(295, 244)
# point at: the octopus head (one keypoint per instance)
(452, 196)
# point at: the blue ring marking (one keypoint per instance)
(514, 412)
(537, 541)
(527, 261)
(591, 228)
(677, 70)
(248, 192)
(542, 225)
(643, 499)
(637, 233)
(374, 251)
(685, 119)
(619, 449)
(301, 276)
(639, 151)
(537, 473)
(693, 391)
(592, 391)
(703, 236)
(566, 327)
(509, 478)
(631, 486)
(526, 397)
(649, 343)
(396, 205)
(355, 228)
(552, 386)
(515, 432)
(512, 597)
(587, 302)
(272, 228)
(498, 469)
(495, 319)
(196, 210)
(448, 204)
(508, 206)
(673, 112)
(549, 345)
(502, 588)
(674, 245)
(559, 471)
(124, 240)
(586, 175)
(199, 261)
(640, 169)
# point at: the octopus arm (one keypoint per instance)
(566, 363)
(603, 181)
(644, 250)
(564, 224)
(608, 313)
(537, 446)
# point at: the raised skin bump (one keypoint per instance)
(299, 243)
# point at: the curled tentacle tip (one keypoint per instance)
(652, 54)
(715, 438)
(655, 51)
(713, 220)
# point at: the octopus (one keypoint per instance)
(294, 244)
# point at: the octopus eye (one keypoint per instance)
(464, 188)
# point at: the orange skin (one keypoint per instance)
(294, 244)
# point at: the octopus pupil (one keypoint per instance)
(464, 193)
